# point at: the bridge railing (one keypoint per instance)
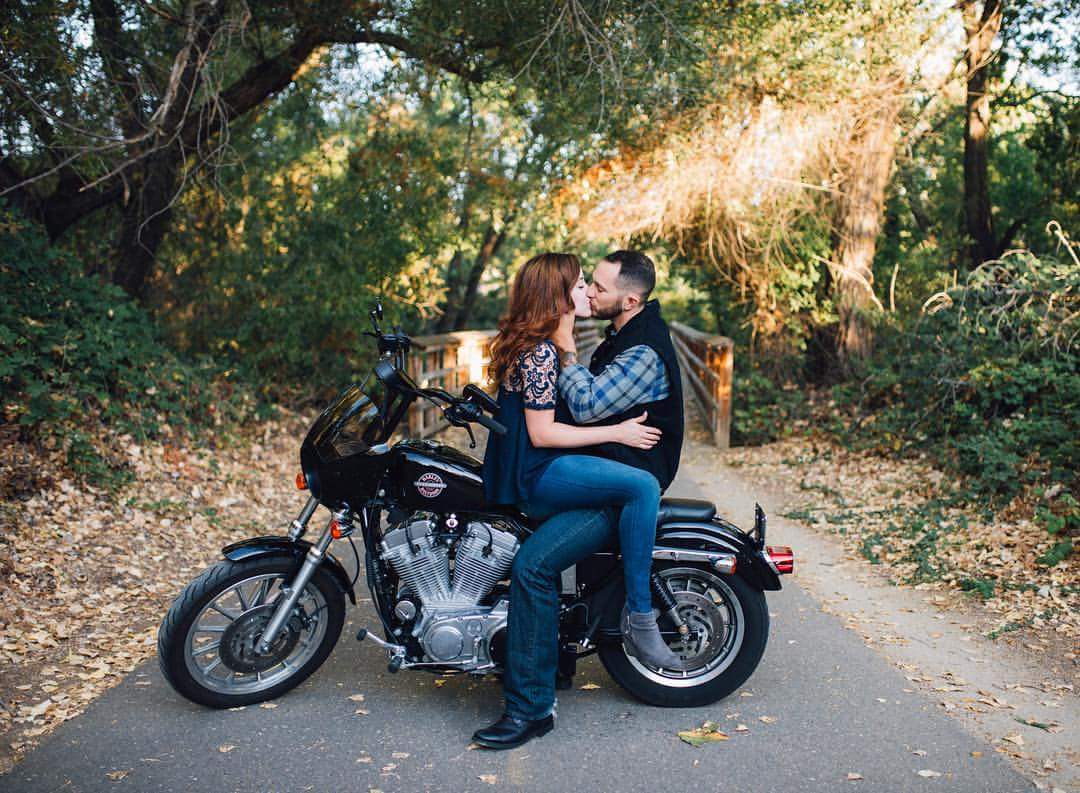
(707, 361)
(453, 360)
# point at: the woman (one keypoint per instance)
(531, 466)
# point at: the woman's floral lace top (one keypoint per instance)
(535, 375)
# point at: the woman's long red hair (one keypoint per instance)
(539, 296)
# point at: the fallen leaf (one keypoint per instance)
(976, 754)
(400, 755)
(926, 772)
(742, 728)
(357, 697)
(268, 705)
(767, 719)
(491, 779)
(225, 747)
(440, 683)
(361, 712)
(116, 776)
(853, 777)
(590, 687)
(1017, 739)
(706, 733)
(1048, 726)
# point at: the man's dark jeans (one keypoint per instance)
(533, 623)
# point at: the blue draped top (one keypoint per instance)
(511, 462)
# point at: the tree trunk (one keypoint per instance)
(493, 240)
(453, 286)
(981, 30)
(861, 208)
(146, 220)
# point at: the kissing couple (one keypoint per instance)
(583, 444)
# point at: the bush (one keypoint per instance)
(76, 352)
(986, 380)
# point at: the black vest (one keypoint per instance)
(662, 461)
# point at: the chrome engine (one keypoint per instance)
(452, 627)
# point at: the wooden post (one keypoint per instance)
(707, 362)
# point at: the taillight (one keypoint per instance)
(301, 481)
(782, 557)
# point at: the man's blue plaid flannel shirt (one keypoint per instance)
(636, 376)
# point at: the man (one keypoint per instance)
(634, 370)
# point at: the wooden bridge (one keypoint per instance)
(452, 360)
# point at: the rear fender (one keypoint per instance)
(722, 537)
(257, 547)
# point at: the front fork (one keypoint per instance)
(340, 525)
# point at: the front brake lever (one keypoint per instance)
(456, 419)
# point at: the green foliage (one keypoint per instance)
(987, 380)
(983, 587)
(1059, 552)
(764, 410)
(75, 351)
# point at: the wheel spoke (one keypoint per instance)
(210, 667)
(220, 610)
(260, 596)
(211, 629)
(206, 648)
(239, 590)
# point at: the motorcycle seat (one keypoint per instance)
(675, 509)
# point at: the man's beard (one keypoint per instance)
(610, 313)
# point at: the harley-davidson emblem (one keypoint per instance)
(430, 485)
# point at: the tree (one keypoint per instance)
(111, 104)
(981, 27)
(860, 209)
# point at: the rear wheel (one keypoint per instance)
(207, 642)
(728, 624)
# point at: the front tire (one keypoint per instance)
(729, 623)
(206, 641)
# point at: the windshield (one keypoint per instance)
(356, 421)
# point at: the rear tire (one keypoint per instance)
(228, 602)
(736, 630)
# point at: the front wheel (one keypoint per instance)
(728, 624)
(207, 642)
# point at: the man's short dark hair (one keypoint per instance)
(636, 272)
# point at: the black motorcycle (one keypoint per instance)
(437, 558)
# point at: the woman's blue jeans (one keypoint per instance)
(576, 481)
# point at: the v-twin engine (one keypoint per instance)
(452, 627)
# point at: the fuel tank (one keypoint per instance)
(432, 476)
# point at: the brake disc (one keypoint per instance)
(238, 644)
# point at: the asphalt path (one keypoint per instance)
(821, 706)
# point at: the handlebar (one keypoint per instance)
(491, 424)
(459, 411)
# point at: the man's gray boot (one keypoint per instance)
(642, 638)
